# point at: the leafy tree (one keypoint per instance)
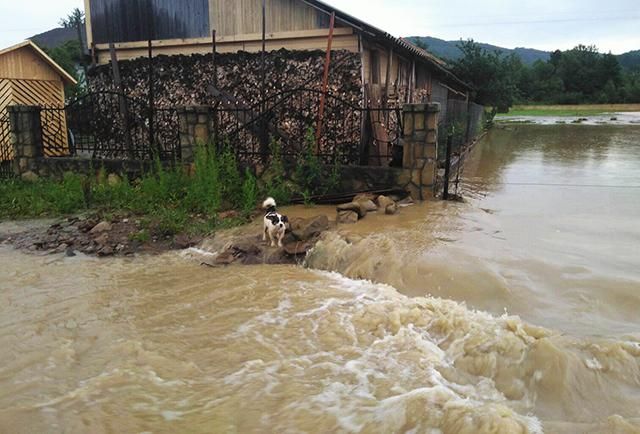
(490, 73)
(74, 20)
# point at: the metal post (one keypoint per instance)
(447, 168)
(215, 64)
(263, 91)
(151, 104)
(325, 82)
(214, 112)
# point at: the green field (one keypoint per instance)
(570, 110)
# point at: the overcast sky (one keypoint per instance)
(544, 24)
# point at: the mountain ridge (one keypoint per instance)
(448, 50)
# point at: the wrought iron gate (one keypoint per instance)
(6, 148)
(109, 125)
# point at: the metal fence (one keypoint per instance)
(345, 133)
(462, 122)
(6, 150)
(105, 125)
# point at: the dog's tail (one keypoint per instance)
(269, 203)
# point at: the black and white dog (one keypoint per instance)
(275, 225)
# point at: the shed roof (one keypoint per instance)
(399, 43)
(57, 68)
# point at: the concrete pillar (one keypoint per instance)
(26, 138)
(420, 148)
(195, 129)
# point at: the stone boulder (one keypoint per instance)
(366, 201)
(384, 202)
(391, 209)
(103, 226)
(306, 229)
(356, 207)
(347, 217)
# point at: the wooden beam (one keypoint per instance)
(87, 20)
(212, 16)
(298, 34)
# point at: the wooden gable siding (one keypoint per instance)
(242, 17)
(37, 93)
(23, 63)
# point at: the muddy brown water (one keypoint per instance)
(517, 311)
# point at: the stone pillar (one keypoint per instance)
(26, 138)
(420, 148)
(195, 129)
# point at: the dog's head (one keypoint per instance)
(278, 221)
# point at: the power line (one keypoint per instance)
(546, 21)
(536, 184)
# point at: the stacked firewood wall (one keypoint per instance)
(188, 80)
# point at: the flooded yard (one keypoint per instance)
(515, 311)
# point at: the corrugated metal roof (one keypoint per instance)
(383, 36)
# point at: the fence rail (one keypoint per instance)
(349, 134)
(109, 125)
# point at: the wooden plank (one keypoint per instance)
(322, 33)
(325, 82)
(378, 128)
(348, 42)
(87, 18)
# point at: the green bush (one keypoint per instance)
(249, 192)
(276, 184)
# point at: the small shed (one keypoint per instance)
(28, 76)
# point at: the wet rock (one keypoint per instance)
(366, 201)
(106, 251)
(384, 202)
(391, 209)
(614, 119)
(225, 258)
(183, 241)
(347, 217)
(368, 205)
(299, 248)
(353, 206)
(407, 201)
(363, 197)
(103, 226)
(305, 229)
(102, 240)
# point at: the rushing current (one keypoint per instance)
(516, 311)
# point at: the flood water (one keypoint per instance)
(516, 311)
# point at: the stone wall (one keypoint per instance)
(417, 176)
(420, 149)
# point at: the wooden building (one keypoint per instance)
(392, 68)
(29, 77)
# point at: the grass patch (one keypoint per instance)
(570, 110)
(174, 200)
(169, 200)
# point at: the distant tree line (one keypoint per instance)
(581, 75)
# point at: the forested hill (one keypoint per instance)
(449, 50)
